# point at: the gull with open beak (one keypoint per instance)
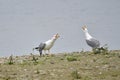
(47, 45)
(92, 42)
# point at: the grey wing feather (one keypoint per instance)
(42, 46)
(93, 43)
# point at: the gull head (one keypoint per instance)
(84, 28)
(56, 36)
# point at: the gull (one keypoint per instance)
(91, 41)
(47, 45)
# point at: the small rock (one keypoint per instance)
(100, 72)
(42, 72)
(25, 69)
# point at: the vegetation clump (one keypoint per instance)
(71, 58)
(75, 75)
(103, 50)
(10, 60)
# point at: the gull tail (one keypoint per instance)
(38, 49)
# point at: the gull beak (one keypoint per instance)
(58, 35)
(84, 27)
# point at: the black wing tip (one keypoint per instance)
(36, 47)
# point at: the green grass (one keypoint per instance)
(75, 75)
(71, 58)
(64, 66)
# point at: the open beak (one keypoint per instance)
(84, 27)
(58, 35)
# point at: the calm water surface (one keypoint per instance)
(26, 23)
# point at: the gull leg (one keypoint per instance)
(45, 52)
(49, 52)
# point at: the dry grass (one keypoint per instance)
(65, 66)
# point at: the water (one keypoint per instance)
(26, 23)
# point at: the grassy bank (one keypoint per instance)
(64, 66)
